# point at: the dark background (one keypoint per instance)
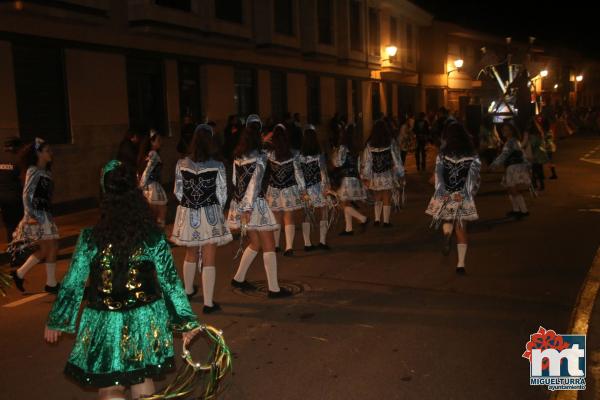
(565, 24)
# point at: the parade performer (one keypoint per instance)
(286, 182)
(516, 176)
(250, 213)
(134, 299)
(314, 172)
(550, 146)
(201, 188)
(149, 169)
(346, 158)
(382, 170)
(37, 226)
(457, 180)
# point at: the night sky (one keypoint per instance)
(571, 25)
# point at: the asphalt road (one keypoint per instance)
(382, 316)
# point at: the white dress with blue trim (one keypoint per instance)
(201, 188)
(351, 187)
(382, 167)
(285, 183)
(316, 180)
(150, 180)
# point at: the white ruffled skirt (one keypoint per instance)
(287, 199)
(517, 175)
(44, 229)
(351, 189)
(199, 227)
(383, 181)
(317, 196)
(155, 194)
(261, 218)
(451, 210)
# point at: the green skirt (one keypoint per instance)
(122, 347)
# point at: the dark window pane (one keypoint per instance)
(314, 99)
(374, 46)
(406, 99)
(245, 92)
(355, 26)
(393, 31)
(409, 43)
(356, 100)
(189, 91)
(388, 98)
(284, 17)
(278, 95)
(145, 90)
(375, 101)
(230, 10)
(41, 93)
(325, 13)
(183, 5)
(341, 97)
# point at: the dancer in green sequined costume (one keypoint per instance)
(134, 298)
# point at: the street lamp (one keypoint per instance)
(544, 73)
(391, 50)
(556, 86)
(579, 78)
(458, 63)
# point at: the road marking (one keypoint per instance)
(25, 300)
(590, 160)
(590, 209)
(580, 318)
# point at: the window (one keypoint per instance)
(356, 101)
(182, 5)
(375, 102)
(145, 91)
(41, 93)
(325, 13)
(406, 99)
(230, 10)
(355, 26)
(389, 98)
(189, 91)
(314, 100)
(341, 96)
(245, 92)
(278, 95)
(284, 17)
(374, 46)
(409, 43)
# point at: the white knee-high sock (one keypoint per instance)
(355, 214)
(387, 210)
(209, 274)
(323, 232)
(378, 207)
(277, 235)
(513, 202)
(31, 262)
(306, 233)
(290, 233)
(521, 203)
(247, 258)
(270, 261)
(51, 274)
(348, 219)
(462, 252)
(447, 228)
(189, 274)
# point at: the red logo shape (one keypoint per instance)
(544, 339)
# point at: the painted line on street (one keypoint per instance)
(589, 209)
(592, 161)
(25, 300)
(580, 318)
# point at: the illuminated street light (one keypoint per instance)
(556, 86)
(458, 63)
(579, 78)
(544, 73)
(391, 50)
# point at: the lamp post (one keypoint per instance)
(391, 51)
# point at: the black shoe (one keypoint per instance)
(52, 289)
(524, 214)
(461, 270)
(513, 214)
(288, 253)
(387, 225)
(364, 225)
(346, 233)
(310, 248)
(553, 177)
(189, 296)
(283, 292)
(18, 281)
(447, 244)
(376, 223)
(323, 246)
(277, 249)
(243, 285)
(210, 310)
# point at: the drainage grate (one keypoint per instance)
(295, 287)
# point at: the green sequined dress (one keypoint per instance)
(126, 328)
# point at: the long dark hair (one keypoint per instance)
(203, 146)
(310, 143)
(28, 157)
(249, 141)
(515, 131)
(381, 136)
(458, 141)
(281, 143)
(347, 139)
(145, 148)
(125, 217)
